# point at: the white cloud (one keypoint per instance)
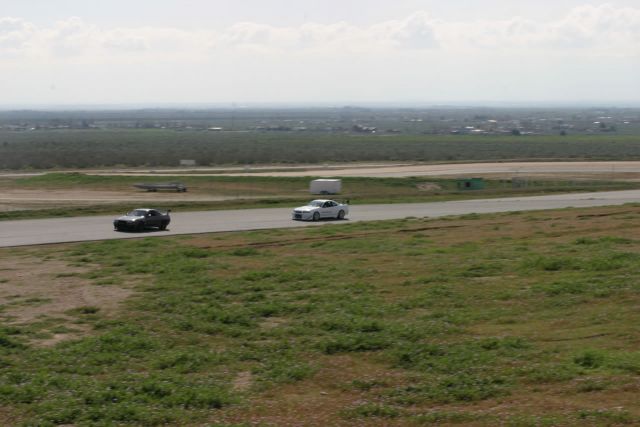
(417, 31)
(602, 26)
(71, 37)
(605, 29)
(591, 51)
(125, 40)
(15, 35)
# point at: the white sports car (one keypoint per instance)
(317, 209)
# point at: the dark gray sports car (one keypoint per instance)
(140, 219)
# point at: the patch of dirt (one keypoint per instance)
(9, 417)
(272, 322)
(606, 169)
(18, 199)
(428, 186)
(34, 290)
(319, 400)
(243, 381)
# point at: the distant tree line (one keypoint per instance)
(153, 148)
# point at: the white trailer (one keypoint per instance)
(325, 186)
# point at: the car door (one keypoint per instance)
(154, 218)
(328, 209)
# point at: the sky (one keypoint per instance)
(319, 52)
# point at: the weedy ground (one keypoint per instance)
(507, 319)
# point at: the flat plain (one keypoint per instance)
(510, 319)
(515, 319)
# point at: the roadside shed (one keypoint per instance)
(470, 184)
(325, 186)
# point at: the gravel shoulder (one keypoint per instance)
(610, 168)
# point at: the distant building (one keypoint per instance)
(325, 186)
(187, 162)
(470, 184)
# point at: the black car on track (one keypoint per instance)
(140, 219)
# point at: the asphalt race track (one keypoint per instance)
(61, 230)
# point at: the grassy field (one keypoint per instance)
(511, 319)
(108, 148)
(253, 192)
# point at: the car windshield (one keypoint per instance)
(137, 212)
(316, 203)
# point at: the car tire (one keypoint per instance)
(140, 227)
(163, 225)
(316, 216)
(340, 215)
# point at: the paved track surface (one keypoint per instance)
(43, 231)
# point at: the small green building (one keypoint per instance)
(470, 184)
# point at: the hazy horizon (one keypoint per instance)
(327, 105)
(574, 53)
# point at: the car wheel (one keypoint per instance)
(340, 215)
(316, 216)
(140, 226)
(163, 225)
